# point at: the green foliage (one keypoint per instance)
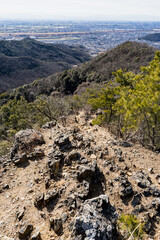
(4, 147)
(130, 227)
(13, 115)
(19, 114)
(133, 102)
(97, 70)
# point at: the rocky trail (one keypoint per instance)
(73, 181)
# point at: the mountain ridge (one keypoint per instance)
(23, 61)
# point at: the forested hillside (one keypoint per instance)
(129, 101)
(23, 61)
(129, 56)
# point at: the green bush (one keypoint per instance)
(133, 102)
(4, 147)
(130, 227)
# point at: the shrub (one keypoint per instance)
(130, 227)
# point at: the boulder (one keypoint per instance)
(25, 140)
(86, 172)
(95, 220)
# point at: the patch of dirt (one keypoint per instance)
(20, 185)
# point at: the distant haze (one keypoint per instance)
(80, 10)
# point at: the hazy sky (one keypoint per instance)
(81, 9)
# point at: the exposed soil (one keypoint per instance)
(19, 185)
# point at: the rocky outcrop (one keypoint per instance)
(65, 194)
(63, 141)
(95, 220)
(24, 144)
(86, 172)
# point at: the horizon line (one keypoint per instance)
(78, 20)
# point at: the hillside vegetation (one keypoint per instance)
(129, 55)
(83, 166)
(129, 102)
(155, 37)
(23, 61)
(131, 105)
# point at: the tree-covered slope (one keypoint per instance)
(155, 37)
(129, 55)
(23, 61)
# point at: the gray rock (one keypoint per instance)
(126, 144)
(38, 153)
(54, 167)
(62, 140)
(95, 220)
(142, 179)
(25, 231)
(154, 191)
(136, 200)
(138, 209)
(120, 159)
(84, 190)
(147, 223)
(36, 236)
(39, 200)
(156, 204)
(49, 125)
(20, 158)
(147, 192)
(125, 188)
(26, 140)
(86, 172)
(50, 195)
(72, 156)
(64, 217)
(20, 213)
(118, 152)
(55, 163)
(5, 186)
(56, 224)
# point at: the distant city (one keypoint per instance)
(97, 37)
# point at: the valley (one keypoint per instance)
(96, 36)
